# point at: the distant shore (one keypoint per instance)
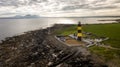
(117, 20)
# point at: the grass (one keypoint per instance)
(67, 31)
(108, 54)
(107, 30)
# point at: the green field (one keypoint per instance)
(107, 30)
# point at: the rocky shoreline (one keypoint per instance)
(40, 49)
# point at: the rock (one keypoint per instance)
(40, 49)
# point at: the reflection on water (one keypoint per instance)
(11, 27)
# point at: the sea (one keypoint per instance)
(13, 27)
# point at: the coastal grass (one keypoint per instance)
(106, 30)
(67, 30)
(107, 53)
(110, 56)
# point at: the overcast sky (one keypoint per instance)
(60, 8)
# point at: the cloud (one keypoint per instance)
(60, 7)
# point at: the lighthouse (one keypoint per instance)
(79, 32)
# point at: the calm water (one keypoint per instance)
(11, 27)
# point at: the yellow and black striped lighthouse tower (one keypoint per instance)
(79, 33)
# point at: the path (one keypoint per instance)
(109, 47)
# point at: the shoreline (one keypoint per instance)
(40, 49)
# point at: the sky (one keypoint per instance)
(60, 8)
